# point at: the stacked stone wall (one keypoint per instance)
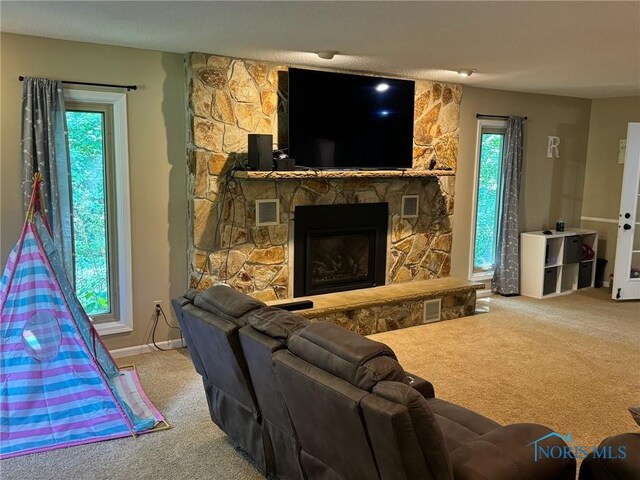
(230, 98)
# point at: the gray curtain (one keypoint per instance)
(45, 150)
(506, 277)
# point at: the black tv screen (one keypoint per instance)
(338, 120)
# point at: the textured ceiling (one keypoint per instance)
(581, 49)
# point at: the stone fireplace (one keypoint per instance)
(339, 247)
(258, 260)
(229, 98)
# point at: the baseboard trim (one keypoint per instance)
(139, 349)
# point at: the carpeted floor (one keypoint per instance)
(569, 362)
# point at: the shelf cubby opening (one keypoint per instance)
(569, 279)
(551, 276)
(589, 243)
(553, 252)
(589, 239)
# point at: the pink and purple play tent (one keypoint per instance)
(59, 386)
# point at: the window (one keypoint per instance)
(491, 135)
(97, 137)
(90, 137)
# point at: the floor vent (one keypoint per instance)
(432, 310)
(267, 212)
(410, 205)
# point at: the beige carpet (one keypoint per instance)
(568, 362)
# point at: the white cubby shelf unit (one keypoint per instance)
(555, 264)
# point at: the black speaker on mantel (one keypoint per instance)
(260, 152)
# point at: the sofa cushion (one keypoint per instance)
(276, 323)
(424, 426)
(227, 303)
(507, 453)
(356, 359)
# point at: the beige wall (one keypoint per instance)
(156, 155)
(603, 176)
(551, 188)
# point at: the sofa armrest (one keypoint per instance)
(421, 385)
(514, 452)
(623, 460)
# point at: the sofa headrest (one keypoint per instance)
(345, 354)
(227, 303)
(191, 294)
(276, 323)
(186, 298)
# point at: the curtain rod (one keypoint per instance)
(90, 84)
(482, 115)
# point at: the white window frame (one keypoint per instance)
(123, 319)
(482, 123)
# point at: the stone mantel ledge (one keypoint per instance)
(377, 296)
(302, 174)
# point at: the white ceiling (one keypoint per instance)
(580, 49)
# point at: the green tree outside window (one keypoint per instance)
(87, 156)
(487, 206)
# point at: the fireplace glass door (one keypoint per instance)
(338, 258)
(339, 247)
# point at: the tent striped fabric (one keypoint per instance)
(58, 384)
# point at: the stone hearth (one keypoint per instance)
(390, 307)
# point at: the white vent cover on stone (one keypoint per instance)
(432, 310)
(410, 205)
(267, 212)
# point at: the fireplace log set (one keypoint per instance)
(342, 258)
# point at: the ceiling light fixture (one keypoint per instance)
(466, 72)
(327, 54)
(382, 87)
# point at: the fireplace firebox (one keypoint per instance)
(339, 247)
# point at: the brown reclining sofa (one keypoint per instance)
(316, 401)
(595, 467)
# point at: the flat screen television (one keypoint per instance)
(339, 120)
